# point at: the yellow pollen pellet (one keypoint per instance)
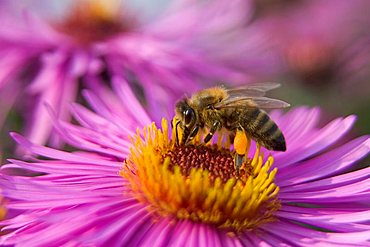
(240, 142)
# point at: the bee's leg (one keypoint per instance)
(241, 142)
(231, 137)
(212, 131)
(238, 161)
(192, 134)
(177, 133)
(185, 135)
(241, 145)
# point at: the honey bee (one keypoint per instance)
(238, 110)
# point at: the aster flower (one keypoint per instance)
(144, 190)
(322, 42)
(49, 60)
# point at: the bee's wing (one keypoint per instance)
(269, 103)
(252, 90)
(246, 101)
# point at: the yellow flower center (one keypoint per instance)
(199, 182)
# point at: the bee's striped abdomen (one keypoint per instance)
(263, 130)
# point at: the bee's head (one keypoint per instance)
(185, 114)
(186, 119)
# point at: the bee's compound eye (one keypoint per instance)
(188, 114)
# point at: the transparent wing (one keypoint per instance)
(260, 102)
(252, 90)
(251, 96)
(269, 103)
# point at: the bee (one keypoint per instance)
(238, 110)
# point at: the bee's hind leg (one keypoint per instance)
(238, 161)
(241, 146)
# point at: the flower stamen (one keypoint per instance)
(199, 182)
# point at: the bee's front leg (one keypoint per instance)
(212, 131)
(192, 134)
(185, 135)
(175, 124)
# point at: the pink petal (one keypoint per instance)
(326, 164)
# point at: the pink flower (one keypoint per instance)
(115, 191)
(323, 41)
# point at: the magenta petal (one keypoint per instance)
(88, 139)
(55, 154)
(333, 215)
(52, 72)
(317, 142)
(326, 164)
(10, 61)
(298, 124)
(230, 241)
(357, 191)
(181, 233)
(79, 64)
(159, 235)
(7, 102)
(208, 236)
(333, 220)
(125, 94)
(305, 236)
(329, 183)
(127, 232)
(60, 167)
(258, 239)
(194, 234)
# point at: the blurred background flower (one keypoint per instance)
(51, 50)
(324, 46)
